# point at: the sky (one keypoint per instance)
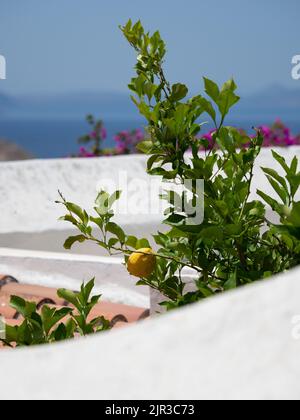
(63, 46)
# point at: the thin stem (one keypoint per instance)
(249, 182)
(166, 257)
(164, 82)
(217, 133)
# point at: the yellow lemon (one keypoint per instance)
(142, 263)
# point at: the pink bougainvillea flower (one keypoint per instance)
(121, 148)
(103, 133)
(277, 135)
(84, 153)
(266, 131)
(124, 133)
(139, 135)
(117, 138)
(93, 134)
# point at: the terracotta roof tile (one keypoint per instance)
(119, 315)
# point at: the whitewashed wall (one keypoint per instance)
(242, 345)
(28, 189)
(29, 217)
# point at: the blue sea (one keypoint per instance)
(56, 138)
(59, 138)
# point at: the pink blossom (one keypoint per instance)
(139, 135)
(103, 133)
(84, 153)
(124, 133)
(275, 135)
(266, 131)
(121, 148)
(93, 135)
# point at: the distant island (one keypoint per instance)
(10, 151)
(48, 126)
(268, 104)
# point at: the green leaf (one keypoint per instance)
(179, 91)
(145, 146)
(294, 165)
(116, 230)
(233, 230)
(98, 221)
(70, 328)
(211, 234)
(226, 101)
(150, 89)
(11, 334)
(113, 198)
(73, 208)
(102, 203)
(208, 108)
(112, 242)
(152, 160)
(231, 282)
(294, 181)
(72, 240)
(211, 89)
(60, 333)
(18, 304)
(175, 219)
(69, 218)
(69, 296)
(142, 243)
(281, 161)
(51, 317)
(277, 177)
(88, 289)
(269, 200)
(294, 217)
(226, 139)
(131, 242)
(279, 190)
(230, 85)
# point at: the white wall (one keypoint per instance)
(236, 346)
(28, 189)
(239, 345)
(29, 215)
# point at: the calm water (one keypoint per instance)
(51, 139)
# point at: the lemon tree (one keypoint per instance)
(236, 244)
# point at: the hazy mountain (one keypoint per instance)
(11, 151)
(74, 105)
(6, 103)
(273, 102)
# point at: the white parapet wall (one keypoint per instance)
(31, 237)
(242, 345)
(29, 189)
